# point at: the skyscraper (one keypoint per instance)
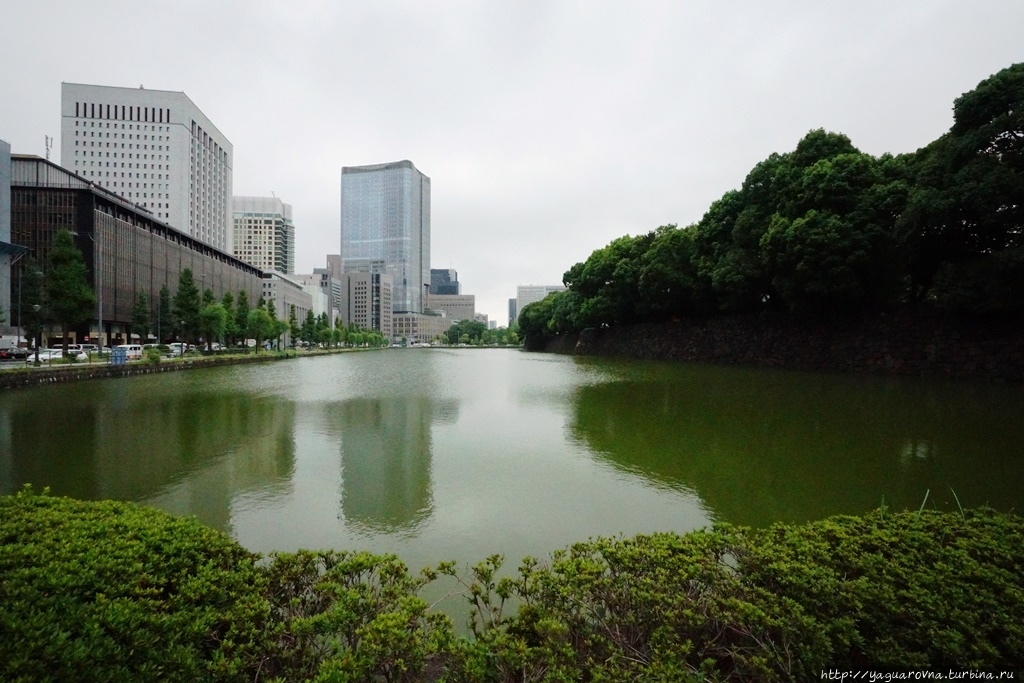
(385, 228)
(154, 148)
(264, 234)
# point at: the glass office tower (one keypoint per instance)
(385, 228)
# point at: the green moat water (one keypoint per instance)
(438, 454)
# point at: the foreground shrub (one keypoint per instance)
(930, 589)
(912, 590)
(110, 591)
(352, 616)
(114, 592)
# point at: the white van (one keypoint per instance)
(73, 349)
(132, 351)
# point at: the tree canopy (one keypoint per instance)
(829, 229)
(70, 297)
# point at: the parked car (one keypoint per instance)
(132, 351)
(176, 349)
(45, 355)
(13, 353)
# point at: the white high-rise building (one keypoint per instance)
(264, 234)
(156, 149)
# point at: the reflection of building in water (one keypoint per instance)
(916, 450)
(194, 456)
(386, 459)
(183, 451)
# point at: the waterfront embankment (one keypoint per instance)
(908, 343)
(76, 372)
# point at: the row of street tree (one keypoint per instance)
(828, 228)
(57, 293)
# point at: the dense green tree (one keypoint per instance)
(34, 313)
(533, 319)
(141, 323)
(470, 328)
(213, 323)
(726, 259)
(242, 314)
(164, 318)
(308, 330)
(69, 296)
(669, 286)
(208, 297)
(967, 199)
(293, 325)
(187, 306)
(231, 324)
(607, 284)
(324, 335)
(259, 326)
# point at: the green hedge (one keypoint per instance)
(111, 591)
(114, 592)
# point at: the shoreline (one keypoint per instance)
(902, 343)
(83, 371)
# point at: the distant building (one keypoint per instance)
(156, 149)
(455, 306)
(127, 250)
(366, 301)
(492, 324)
(286, 292)
(420, 328)
(264, 234)
(481, 318)
(528, 294)
(385, 228)
(444, 281)
(512, 314)
(323, 283)
(334, 266)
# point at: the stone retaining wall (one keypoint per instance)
(899, 343)
(10, 379)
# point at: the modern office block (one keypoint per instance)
(385, 228)
(264, 234)
(366, 301)
(126, 250)
(444, 281)
(156, 149)
(456, 307)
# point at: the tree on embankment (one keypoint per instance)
(829, 229)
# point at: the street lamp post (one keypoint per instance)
(98, 279)
(39, 331)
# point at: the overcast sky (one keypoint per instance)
(548, 128)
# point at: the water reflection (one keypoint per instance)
(181, 452)
(761, 446)
(386, 459)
